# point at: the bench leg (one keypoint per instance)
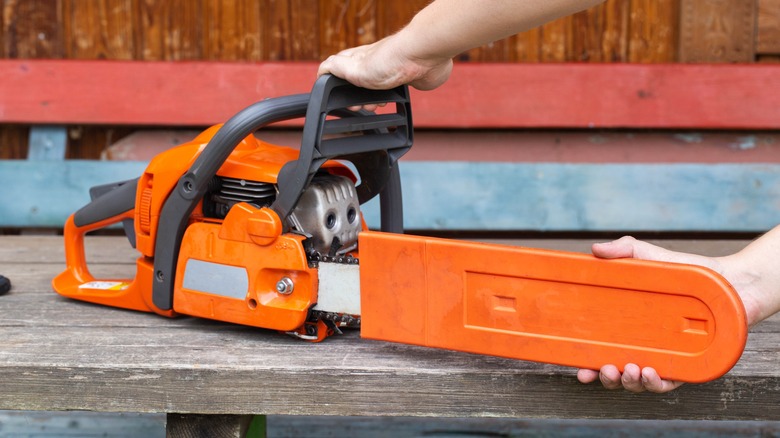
(207, 426)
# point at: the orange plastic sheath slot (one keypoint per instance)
(549, 306)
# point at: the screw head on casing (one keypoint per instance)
(285, 286)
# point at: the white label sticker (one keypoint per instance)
(105, 285)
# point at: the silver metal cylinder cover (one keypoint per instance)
(329, 212)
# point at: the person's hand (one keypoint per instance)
(384, 65)
(634, 378)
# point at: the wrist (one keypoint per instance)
(420, 70)
(419, 45)
(756, 286)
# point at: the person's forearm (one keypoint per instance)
(757, 268)
(446, 28)
(421, 53)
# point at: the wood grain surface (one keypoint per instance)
(58, 354)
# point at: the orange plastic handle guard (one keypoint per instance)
(78, 283)
(563, 308)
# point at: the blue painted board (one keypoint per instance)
(480, 196)
(45, 193)
(591, 197)
(47, 142)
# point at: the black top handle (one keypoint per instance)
(373, 143)
(379, 142)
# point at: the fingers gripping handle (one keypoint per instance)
(383, 139)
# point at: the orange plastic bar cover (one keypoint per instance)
(549, 306)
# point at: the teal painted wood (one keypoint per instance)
(47, 142)
(45, 193)
(480, 196)
(589, 197)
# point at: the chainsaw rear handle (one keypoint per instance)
(103, 206)
(376, 152)
(94, 216)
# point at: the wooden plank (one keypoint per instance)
(653, 31)
(304, 30)
(768, 38)
(485, 95)
(90, 141)
(483, 196)
(598, 34)
(554, 37)
(124, 425)
(206, 426)
(3, 26)
(139, 93)
(291, 30)
(586, 34)
(47, 192)
(170, 30)
(98, 30)
(512, 146)
(13, 141)
(606, 31)
(527, 46)
(233, 30)
(558, 197)
(60, 354)
(346, 23)
(624, 95)
(288, 29)
(520, 146)
(384, 427)
(718, 31)
(47, 142)
(31, 29)
(37, 424)
(392, 15)
(276, 22)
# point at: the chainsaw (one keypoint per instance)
(234, 229)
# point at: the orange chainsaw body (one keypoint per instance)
(248, 243)
(251, 263)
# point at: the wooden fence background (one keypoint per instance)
(619, 31)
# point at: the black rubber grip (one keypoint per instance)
(108, 201)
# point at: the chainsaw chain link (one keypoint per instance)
(316, 258)
(339, 319)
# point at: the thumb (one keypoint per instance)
(629, 247)
(616, 249)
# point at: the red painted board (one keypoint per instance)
(738, 96)
(141, 93)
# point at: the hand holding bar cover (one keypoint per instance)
(570, 309)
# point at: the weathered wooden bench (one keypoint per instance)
(681, 176)
(60, 355)
(687, 149)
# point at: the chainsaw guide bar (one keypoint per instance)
(232, 228)
(570, 309)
